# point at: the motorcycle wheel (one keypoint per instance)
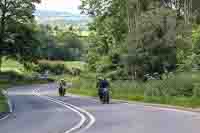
(107, 98)
(104, 98)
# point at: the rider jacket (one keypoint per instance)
(62, 85)
(104, 84)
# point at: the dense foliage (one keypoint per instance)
(17, 33)
(138, 37)
(22, 39)
(59, 44)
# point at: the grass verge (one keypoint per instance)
(3, 104)
(175, 101)
(177, 91)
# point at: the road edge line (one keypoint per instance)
(158, 106)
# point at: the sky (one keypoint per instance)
(60, 5)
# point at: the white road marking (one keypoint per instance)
(176, 110)
(165, 109)
(5, 117)
(75, 109)
(146, 105)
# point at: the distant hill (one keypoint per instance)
(55, 17)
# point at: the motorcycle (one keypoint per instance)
(62, 91)
(105, 96)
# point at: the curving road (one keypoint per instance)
(33, 114)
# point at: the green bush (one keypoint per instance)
(116, 74)
(127, 87)
(196, 90)
(11, 76)
(179, 85)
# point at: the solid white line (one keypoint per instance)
(75, 109)
(147, 106)
(165, 108)
(92, 119)
(77, 126)
(177, 110)
(5, 117)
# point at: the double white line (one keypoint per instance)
(81, 112)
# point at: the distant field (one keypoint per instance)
(76, 64)
(85, 33)
(68, 64)
(11, 65)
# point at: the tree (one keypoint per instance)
(149, 35)
(108, 30)
(163, 25)
(64, 45)
(15, 15)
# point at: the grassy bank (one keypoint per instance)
(176, 101)
(179, 90)
(3, 104)
(3, 100)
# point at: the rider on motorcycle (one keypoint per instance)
(103, 86)
(62, 85)
(99, 80)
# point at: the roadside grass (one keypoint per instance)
(75, 64)
(3, 104)
(175, 101)
(177, 90)
(181, 89)
(3, 100)
(11, 65)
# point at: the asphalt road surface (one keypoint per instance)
(41, 114)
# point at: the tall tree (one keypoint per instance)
(14, 14)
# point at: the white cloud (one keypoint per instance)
(59, 5)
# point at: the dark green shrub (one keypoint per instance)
(179, 85)
(117, 74)
(11, 75)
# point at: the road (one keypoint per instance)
(35, 114)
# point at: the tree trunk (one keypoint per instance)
(2, 30)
